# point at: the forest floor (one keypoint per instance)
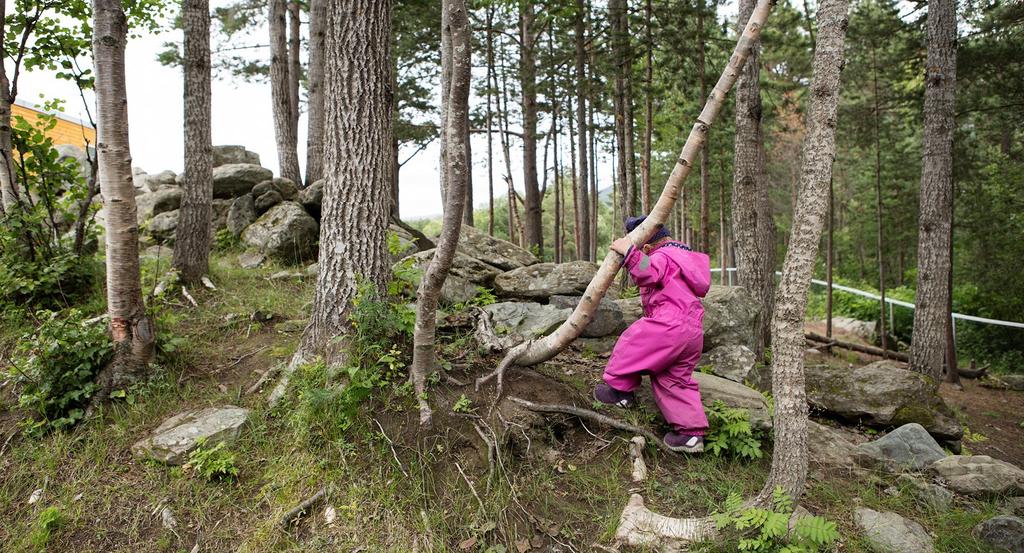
(556, 485)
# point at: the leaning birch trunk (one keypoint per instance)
(315, 89)
(130, 327)
(456, 168)
(935, 220)
(358, 132)
(192, 242)
(536, 351)
(8, 194)
(287, 156)
(789, 454)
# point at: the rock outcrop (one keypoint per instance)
(286, 232)
(525, 320)
(225, 154)
(908, 447)
(493, 251)
(891, 533)
(979, 476)
(179, 435)
(543, 280)
(234, 179)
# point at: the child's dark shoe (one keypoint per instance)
(681, 443)
(610, 396)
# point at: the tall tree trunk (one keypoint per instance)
(506, 154)
(315, 89)
(705, 170)
(358, 167)
(8, 194)
(130, 327)
(557, 174)
(952, 371)
(789, 455)
(192, 242)
(934, 219)
(880, 244)
(490, 120)
(294, 65)
(528, 81)
(280, 92)
(752, 222)
(617, 13)
(455, 24)
(645, 161)
(582, 202)
(830, 260)
(537, 351)
(594, 195)
(723, 242)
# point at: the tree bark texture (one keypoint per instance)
(935, 214)
(315, 90)
(623, 105)
(789, 455)
(294, 65)
(456, 104)
(705, 154)
(536, 351)
(287, 155)
(582, 202)
(751, 207)
(357, 164)
(534, 231)
(490, 121)
(131, 329)
(192, 241)
(645, 162)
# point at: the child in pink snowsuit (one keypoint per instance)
(667, 342)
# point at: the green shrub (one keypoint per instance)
(766, 530)
(49, 520)
(57, 366)
(214, 463)
(225, 240)
(730, 433)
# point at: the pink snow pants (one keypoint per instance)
(667, 349)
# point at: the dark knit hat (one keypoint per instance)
(633, 222)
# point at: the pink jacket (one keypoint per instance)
(672, 279)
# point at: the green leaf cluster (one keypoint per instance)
(767, 529)
(730, 433)
(212, 463)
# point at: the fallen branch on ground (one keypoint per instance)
(870, 350)
(593, 416)
(302, 507)
(636, 451)
(267, 375)
(639, 526)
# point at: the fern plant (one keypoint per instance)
(766, 530)
(730, 432)
(213, 463)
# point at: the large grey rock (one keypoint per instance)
(312, 197)
(632, 309)
(830, 448)
(1002, 533)
(493, 251)
(861, 329)
(230, 153)
(163, 226)
(468, 268)
(219, 214)
(543, 280)
(251, 259)
(729, 316)
(1004, 381)
(734, 395)
(156, 181)
(908, 447)
(525, 319)
(154, 203)
(234, 179)
(891, 533)
(285, 187)
(730, 361)
(241, 214)
(979, 476)
(267, 200)
(930, 494)
(608, 319)
(179, 435)
(286, 232)
(880, 394)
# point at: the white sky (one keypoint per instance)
(241, 115)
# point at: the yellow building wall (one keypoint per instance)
(66, 132)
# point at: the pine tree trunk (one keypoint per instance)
(192, 242)
(456, 104)
(542, 349)
(934, 219)
(789, 454)
(357, 163)
(287, 155)
(752, 223)
(534, 236)
(490, 119)
(880, 243)
(131, 329)
(582, 201)
(705, 170)
(645, 161)
(594, 195)
(315, 89)
(830, 259)
(952, 365)
(617, 13)
(294, 65)
(723, 247)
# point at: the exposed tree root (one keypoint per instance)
(639, 526)
(487, 338)
(636, 451)
(301, 508)
(593, 416)
(267, 375)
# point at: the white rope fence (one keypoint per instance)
(1013, 324)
